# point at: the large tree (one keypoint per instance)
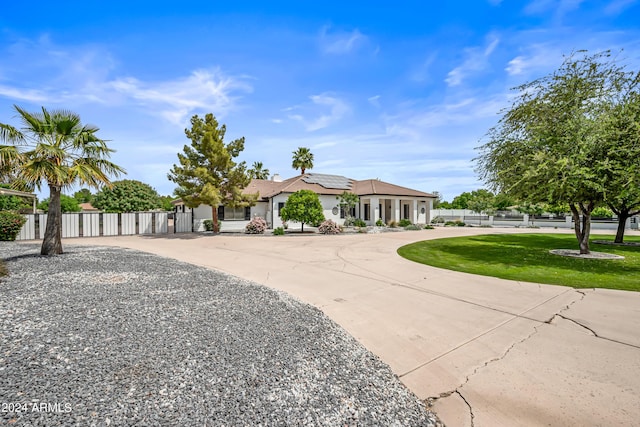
(258, 171)
(127, 195)
(55, 148)
(304, 207)
(481, 201)
(545, 147)
(208, 173)
(302, 159)
(620, 152)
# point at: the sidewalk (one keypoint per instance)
(488, 351)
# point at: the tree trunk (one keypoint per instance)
(52, 243)
(622, 222)
(214, 216)
(582, 226)
(302, 229)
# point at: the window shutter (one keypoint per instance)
(220, 213)
(247, 212)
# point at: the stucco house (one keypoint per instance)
(378, 200)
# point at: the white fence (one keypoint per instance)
(514, 219)
(108, 224)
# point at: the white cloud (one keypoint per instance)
(476, 60)
(208, 90)
(559, 7)
(80, 75)
(374, 100)
(340, 42)
(337, 109)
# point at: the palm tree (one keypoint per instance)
(302, 159)
(54, 147)
(257, 171)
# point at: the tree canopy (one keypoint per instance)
(83, 195)
(207, 172)
(547, 147)
(304, 207)
(67, 204)
(302, 159)
(127, 196)
(258, 171)
(55, 148)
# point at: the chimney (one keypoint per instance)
(276, 178)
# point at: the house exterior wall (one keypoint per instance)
(328, 202)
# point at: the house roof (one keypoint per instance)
(325, 184)
(331, 185)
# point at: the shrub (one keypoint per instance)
(329, 227)
(413, 227)
(359, 223)
(602, 212)
(460, 223)
(429, 227)
(456, 223)
(278, 231)
(208, 225)
(404, 222)
(257, 225)
(379, 223)
(10, 225)
(349, 221)
(437, 220)
(392, 224)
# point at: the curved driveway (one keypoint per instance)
(485, 351)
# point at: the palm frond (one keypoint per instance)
(10, 134)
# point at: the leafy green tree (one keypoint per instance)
(13, 203)
(347, 201)
(531, 209)
(461, 201)
(302, 159)
(545, 147)
(55, 148)
(258, 171)
(83, 196)
(620, 152)
(127, 196)
(438, 200)
(208, 173)
(503, 202)
(304, 207)
(166, 202)
(481, 201)
(67, 204)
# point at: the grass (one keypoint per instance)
(526, 257)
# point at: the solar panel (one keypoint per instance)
(329, 181)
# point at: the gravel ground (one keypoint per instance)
(106, 336)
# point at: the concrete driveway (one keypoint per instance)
(485, 351)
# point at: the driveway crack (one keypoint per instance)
(469, 405)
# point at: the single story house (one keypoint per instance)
(377, 200)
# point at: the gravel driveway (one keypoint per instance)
(107, 336)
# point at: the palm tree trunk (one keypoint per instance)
(52, 243)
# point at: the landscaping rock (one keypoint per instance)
(107, 336)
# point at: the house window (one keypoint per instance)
(235, 214)
(405, 213)
(343, 212)
(367, 213)
(280, 206)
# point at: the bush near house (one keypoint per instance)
(10, 225)
(413, 227)
(329, 227)
(208, 225)
(278, 231)
(379, 223)
(392, 224)
(256, 226)
(359, 223)
(404, 223)
(456, 223)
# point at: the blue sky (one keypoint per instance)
(401, 91)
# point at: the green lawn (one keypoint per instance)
(526, 257)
